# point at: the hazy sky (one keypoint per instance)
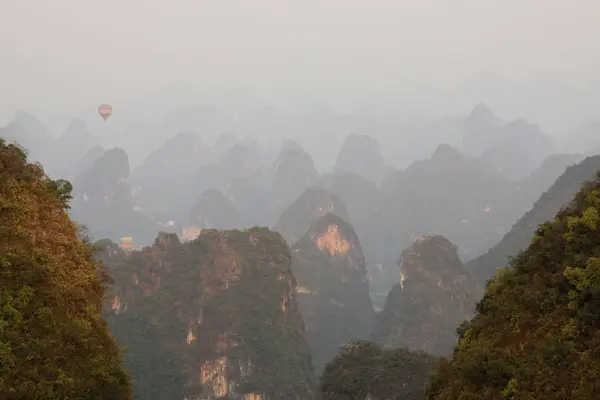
(61, 56)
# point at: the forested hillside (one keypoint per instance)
(536, 332)
(53, 342)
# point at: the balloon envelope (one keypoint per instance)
(105, 110)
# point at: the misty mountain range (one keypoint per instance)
(469, 179)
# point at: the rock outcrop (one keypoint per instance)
(306, 210)
(418, 200)
(215, 317)
(333, 291)
(433, 297)
(361, 199)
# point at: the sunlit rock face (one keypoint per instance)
(214, 317)
(416, 201)
(307, 209)
(434, 294)
(333, 292)
(361, 198)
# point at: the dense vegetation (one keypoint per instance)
(54, 343)
(216, 316)
(536, 333)
(362, 370)
(433, 297)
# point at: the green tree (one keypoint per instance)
(536, 334)
(53, 342)
(362, 370)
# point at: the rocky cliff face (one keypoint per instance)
(416, 201)
(434, 296)
(333, 292)
(216, 317)
(361, 198)
(306, 210)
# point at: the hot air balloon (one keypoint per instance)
(126, 242)
(105, 110)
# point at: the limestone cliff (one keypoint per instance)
(212, 318)
(462, 198)
(361, 198)
(434, 296)
(333, 292)
(308, 208)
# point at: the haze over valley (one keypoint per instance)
(333, 201)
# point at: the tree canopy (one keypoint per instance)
(54, 343)
(362, 370)
(536, 332)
